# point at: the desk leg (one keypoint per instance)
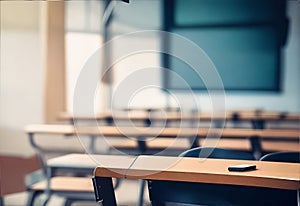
(91, 149)
(40, 152)
(47, 191)
(142, 146)
(256, 147)
(141, 192)
(298, 197)
(147, 122)
(1, 201)
(104, 191)
(142, 149)
(258, 124)
(47, 173)
(218, 123)
(194, 142)
(109, 121)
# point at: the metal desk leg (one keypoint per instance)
(142, 149)
(109, 121)
(1, 201)
(91, 149)
(40, 152)
(46, 171)
(104, 191)
(256, 147)
(47, 191)
(218, 123)
(147, 122)
(298, 197)
(194, 142)
(142, 146)
(258, 124)
(141, 192)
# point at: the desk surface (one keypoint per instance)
(90, 161)
(161, 132)
(116, 163)
(268, 174)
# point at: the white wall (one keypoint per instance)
(21, 100)
(22, 78)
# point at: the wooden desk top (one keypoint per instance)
(268, 174)
(161, 132)
(50, 129)
(84, 161)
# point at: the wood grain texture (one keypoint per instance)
(268, 174)
(69, 184)
(90, 161)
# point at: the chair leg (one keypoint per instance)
(31, 198)
(1, 201)
(117, 183)
(46, 199)
(141, 192)
(68, 202)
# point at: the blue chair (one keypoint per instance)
(217, 153)
(161, 192)
(293, 157)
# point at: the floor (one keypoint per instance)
(126, 195)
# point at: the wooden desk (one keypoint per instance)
(89, 162)
(80, 186)
(142, 133)
(277, 183)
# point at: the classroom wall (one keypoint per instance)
(286, 100)
(21, 97)
(126, 21)
(22, 83)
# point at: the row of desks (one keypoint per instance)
(177, 116)
(257, 118)
(173, 168)
(140, 134)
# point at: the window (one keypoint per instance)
(83, 37)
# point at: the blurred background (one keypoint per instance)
(254, 46)
(44, 46)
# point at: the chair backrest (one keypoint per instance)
(183, 192)
(293, 157)
(217, 153)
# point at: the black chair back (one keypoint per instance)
(293, 157)
(184, 192)
(217, 153)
